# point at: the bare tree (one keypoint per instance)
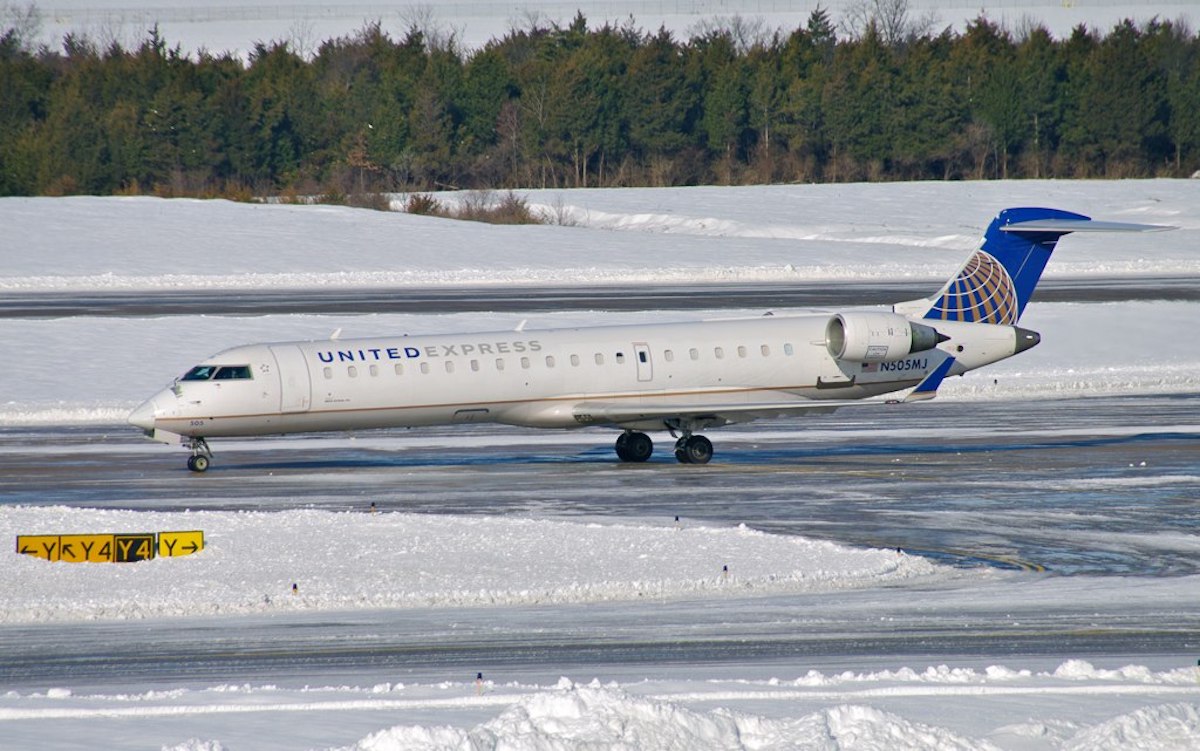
(744, 33)
(302, 39)
(892, 20)
(438, 37)
(22, 24)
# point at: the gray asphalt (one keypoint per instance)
(544, 298)
(1003, 494)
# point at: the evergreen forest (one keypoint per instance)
(555, 105)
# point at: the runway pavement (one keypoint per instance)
(544, 298)
(1104, 495)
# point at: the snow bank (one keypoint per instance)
(575, 717)
(594, 716)
(1170, 726)
(1074, 706)
(251, 561)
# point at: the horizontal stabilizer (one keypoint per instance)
(927, 388)
(1063, 226)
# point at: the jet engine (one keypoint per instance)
(877, 337)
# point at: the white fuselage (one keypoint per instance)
(539, 378)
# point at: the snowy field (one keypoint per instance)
(229, 25)
(505, 570)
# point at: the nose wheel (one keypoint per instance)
(201, 455)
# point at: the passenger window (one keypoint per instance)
(200, 373)
(766, 351)
(599, 359)
(374, 370)
(668, 355)
(525, 363)
(399, 369)
(329, 373)
(425, 368)
(694, 353)
(575, 360)
(352, 371)
(449, 366)
(549, 361)
(787, 350)
(719, 352)
(475, 366)
(741, 351)
(499, 363)
(620, 358)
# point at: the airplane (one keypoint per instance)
(681, 377)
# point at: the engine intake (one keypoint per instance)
(877, 337)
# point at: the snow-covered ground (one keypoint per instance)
(1021, 709)
(420, 561)
(475, 570)
(762, 233)
(229, 25)
(60, 371)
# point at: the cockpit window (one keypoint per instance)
(200, 373)
(232, 373)
(218, 373)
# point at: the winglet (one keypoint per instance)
(927, 388)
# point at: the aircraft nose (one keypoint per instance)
(143, 416)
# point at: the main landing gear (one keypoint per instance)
(201, 455)
(693, 449)
(633, 446)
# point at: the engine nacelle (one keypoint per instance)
(877, 337)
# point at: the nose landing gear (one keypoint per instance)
(201, 455)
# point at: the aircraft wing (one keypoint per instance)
(710, 413)
(716, 412)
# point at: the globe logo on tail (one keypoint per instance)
(983, 292)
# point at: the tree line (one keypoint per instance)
(571, 106)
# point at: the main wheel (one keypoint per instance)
(634, 447)
(198, 463)
(695, 449)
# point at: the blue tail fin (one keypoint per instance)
(996, 282)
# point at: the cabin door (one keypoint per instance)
(645, 366)
(295, 388)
